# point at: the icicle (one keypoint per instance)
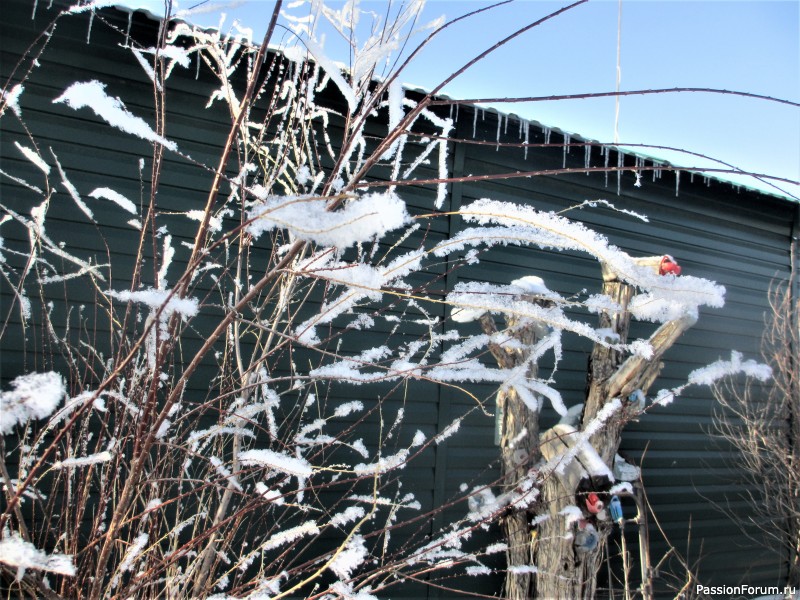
(505, 124)
(457, 107)
(499, 121)
(587, 157)
(475, 123)
(197, 68)
(707, 181)
(33, 13)
(128, 30)
(547, 135)
(567, 140)
(620, 164)
(606, 154)
(527, 133)
(677, 181)
(91, 20)
(691, 177)
(452, 108)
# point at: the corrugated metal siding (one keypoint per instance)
(740, 239)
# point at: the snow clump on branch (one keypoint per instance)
(16, 552)
(665, 297)
(92, 94)
(35, 396)
(308, 218)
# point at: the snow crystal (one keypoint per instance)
(35, 396)
(478, 570)
(92, 94)
(361, 220)
(17, 553)
(115, 197)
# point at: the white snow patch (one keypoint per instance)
(115, 197)
(284, 463)
(623, 487)
(350, 514)
(186, 307)
(290, 535)
(308, 218)
(35, 396)
(92, 94)
(92, 459)
(16, 552)
(350, 558)
(12, 98)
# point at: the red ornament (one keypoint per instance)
(668, 265)
(593, 503)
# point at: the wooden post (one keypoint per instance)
(562, 572)
(519, 448)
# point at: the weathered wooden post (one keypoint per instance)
(564, 571)
(519, 447)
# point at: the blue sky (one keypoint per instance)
(751, 46)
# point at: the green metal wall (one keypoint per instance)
(737, 237)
